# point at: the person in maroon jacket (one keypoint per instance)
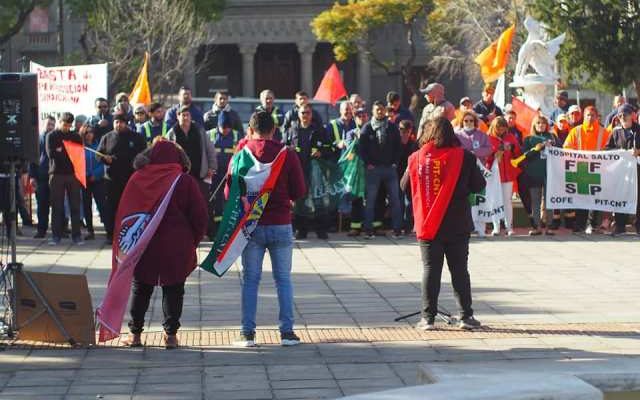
(274, 232)
(171, 254)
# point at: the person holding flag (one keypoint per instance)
(273, 231)
(442, 175)
(357, 202)
(62, 179)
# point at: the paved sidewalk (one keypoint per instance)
(542, 298)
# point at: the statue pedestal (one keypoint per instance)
(538, 92)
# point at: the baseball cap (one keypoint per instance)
(563, 94)
(626, 109)
(429, 88)
(464, 100)
(561, 117)
(360, 111)
(574, 108)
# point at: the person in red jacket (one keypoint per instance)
(171, 254)
(442, 175)
(505, 147)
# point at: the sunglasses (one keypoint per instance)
(305, 112)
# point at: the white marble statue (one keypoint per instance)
(538, 52)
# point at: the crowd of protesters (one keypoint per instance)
(386, 134)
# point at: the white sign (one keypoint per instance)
(488, 205)
(69, 88)
(592, 180)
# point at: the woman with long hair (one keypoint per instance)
(505, 147)
(535, 168)
(442, 175)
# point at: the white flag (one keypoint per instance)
(591, 180)
(489, 204)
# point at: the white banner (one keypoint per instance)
(489, 204)
(591, 180)
(69, 88)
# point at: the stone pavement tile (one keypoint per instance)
(321, 393)
(101, 389)
(298, 372)
(301, 354)
(114, 358)
(42, 378)
(93, 397)
(107, 379)
(407, 371)
(304, 384)
(35, 391)
(232, 356)
(372, 371)
(167, 396)
(239, 395)
(353, 386)
(246, 382)
(49, 359)
(168, 388)
(349, 352)
(407, 352)
(181, 356)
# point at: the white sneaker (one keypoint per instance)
(589, 230)
(426, 324)
(246, 340)
(510, 232)
(495, 233)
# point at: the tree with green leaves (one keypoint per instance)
(351, 28)
(13, 15)
(602, 46)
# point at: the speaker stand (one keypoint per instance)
(14, 268)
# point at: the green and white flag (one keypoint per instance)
(251, 185)
(591, 180)
(488, 204)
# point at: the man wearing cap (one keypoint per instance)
(118, 148)
(437, 105)
(486, 108)
(225, 140)
(220, 104)
(186, 100)
(618, 101)
(574, 116)
(562, 105)
(626, 136)
(155, 126)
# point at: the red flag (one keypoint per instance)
(331, 88)
(524, 115)
(75, 151)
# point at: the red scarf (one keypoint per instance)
(434, 173)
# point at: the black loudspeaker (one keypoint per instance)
(19, 117)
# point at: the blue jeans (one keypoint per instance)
(388, 176)
(278, 239)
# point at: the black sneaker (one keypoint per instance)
(246, 340)
(289, 339)
(39, 235)
(90, 236)
(396, 235)
(370, 235)
(469, 323)
(300, 235)
(322, 235)
(428, 324)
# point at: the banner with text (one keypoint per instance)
(591, 180)
(69, 88)
(488, 204)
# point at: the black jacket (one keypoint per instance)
(305, 141)
(380, 151)
(59, 162)
(124, 146)
(626, 139)
(211, 120)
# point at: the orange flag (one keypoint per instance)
(331, 88)
(524, 115)
(141, 94)
(75, 151)
(494, 59)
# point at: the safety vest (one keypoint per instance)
(579, 137)
(147, 130)
(213, 135)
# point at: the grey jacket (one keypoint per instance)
(209, 160)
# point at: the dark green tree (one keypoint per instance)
(603, 40)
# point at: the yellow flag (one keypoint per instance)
(494, 59)
(141, 94)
